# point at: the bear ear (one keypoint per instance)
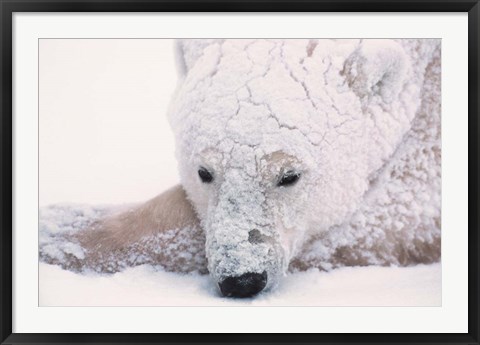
(188, 51)
(377, 67)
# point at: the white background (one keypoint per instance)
(103, 130)
(451, 317)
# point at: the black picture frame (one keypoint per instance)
(8, 7)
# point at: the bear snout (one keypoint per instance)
(245, 285)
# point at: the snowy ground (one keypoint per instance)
(144, 286)
(149, 286)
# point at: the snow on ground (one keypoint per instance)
(150, 286)
(146, 286)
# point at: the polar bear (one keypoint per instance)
(292, 154)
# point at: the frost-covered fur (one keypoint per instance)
(358, 120)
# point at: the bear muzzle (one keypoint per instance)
(246, 285)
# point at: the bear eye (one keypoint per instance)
(289, 178)
(205, 175)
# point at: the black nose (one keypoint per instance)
(246, 285)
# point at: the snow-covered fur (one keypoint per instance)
(356, 121)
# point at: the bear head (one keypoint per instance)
(276, 139)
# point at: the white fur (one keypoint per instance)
(341, 108)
